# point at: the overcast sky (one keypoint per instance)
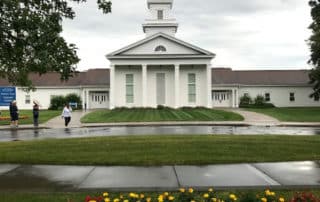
(248, 34)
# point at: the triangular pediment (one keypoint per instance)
(169, 46)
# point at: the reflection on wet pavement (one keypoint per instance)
(15, 135)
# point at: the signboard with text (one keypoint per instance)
(7, 95)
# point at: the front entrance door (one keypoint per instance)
(161, 88)
(222, 98)
(99, 100)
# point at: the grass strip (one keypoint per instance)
(162, 150)
(292, 114)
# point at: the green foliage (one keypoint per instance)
(30, 40)
(73, 98)
(259, 100)
(245, 100)
(314, 43)
(58, 102)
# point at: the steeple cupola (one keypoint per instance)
(160, 18)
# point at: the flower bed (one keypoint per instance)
(189, 195)
(7, 118)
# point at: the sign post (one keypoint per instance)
(7, 95)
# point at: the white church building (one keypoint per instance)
(164, 70)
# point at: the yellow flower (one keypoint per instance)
(107, 200)
(126, 200)
(264, 199)
(272, 193)
(92, 201)
(192, 201)
(267, 192)
(160, 198)
(116, 200)
(281, 199)
(121, 197)
(214, 199)
(205, 195)
(182, 190)
(141, 196)
(190, 190)
(148, 199)
(171, 198)
(210, 190)
(166, 193)
(132, 195)
(105, 194)
(233, 197)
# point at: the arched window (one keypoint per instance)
(160, 49)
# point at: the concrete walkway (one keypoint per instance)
(58, 122)
(254, 117)
(123, 178)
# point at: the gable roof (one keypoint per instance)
(119, 53)
(226, 76)
(92, 77)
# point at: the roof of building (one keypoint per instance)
(92, 77)
(226, 76)
(220, 76)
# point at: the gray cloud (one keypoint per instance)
(241, 33)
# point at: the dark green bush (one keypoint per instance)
(259, 101)
(245, 101)
(57, 102)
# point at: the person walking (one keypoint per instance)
(35, 113)
(14, 113)
(66, 114)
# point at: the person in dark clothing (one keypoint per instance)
(35, 112)
(14, 113)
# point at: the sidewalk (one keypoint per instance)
(123, 178)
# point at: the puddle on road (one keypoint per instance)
(17, 135)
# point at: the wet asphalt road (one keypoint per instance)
(34, 134)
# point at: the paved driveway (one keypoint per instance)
(254, 117)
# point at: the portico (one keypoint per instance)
(174, 84)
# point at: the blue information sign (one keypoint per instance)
(7, 95)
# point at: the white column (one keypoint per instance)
(87, 98)
(209, 86)
(112, 86)
(83, 99)
(233, 99)
(144, 85)
(237, 98)
(177, 85)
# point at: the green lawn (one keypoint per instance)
(168, 114)
(293, 114)
(44, 116)
(162, 150)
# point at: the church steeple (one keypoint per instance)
(161, 19)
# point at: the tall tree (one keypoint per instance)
(30, 40)
(314, 43)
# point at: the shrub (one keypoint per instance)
(304, 197)
(57, 102)
(259, 101)
(73, 98)
(245, 101)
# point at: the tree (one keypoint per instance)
(30, 40)
(314, 43)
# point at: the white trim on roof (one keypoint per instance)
(116, 54)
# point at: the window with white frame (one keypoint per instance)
(292, 97)
(28, 99)
(129, 88)
(267, 97)
(192, 88)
